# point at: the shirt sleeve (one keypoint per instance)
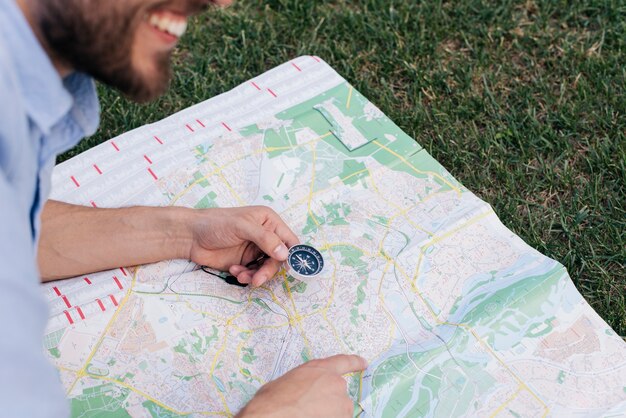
(30, 385)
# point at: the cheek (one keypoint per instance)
(150, 51)
(143, 51)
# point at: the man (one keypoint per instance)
(49, 49)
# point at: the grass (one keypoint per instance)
(523, 102)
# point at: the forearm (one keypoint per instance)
(78, 240)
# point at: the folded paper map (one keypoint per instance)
(455, 313)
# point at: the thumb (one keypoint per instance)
(343, 363)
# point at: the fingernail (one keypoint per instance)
(281, 252)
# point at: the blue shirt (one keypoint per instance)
(41, 115)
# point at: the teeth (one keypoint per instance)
(174, 27)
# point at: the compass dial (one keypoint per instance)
(305, 261)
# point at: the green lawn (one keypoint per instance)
(522, 101)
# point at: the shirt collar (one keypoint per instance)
(47, 97)
(86, 109)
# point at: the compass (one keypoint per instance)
(304, 261)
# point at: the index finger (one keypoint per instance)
(285, 233)
(343, 363)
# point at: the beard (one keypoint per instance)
(96, 37)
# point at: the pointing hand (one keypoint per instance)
(314, 389)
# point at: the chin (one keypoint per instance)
(149, 84)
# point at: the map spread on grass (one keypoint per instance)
(456, 315)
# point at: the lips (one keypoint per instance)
(168, 22)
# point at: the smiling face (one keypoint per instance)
(124, 43)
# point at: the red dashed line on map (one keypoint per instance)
(80, 312)
(227, 127)
(256, 86)
(190, 128)
(117, 281)
(200, 123)
(93, 204)
(147, 159)
(115, 146)
(296, 67)
(56, 290)
(86, 279)
(69, 317)
(101, 305)
(75, 181)
(123, 271)
(158, 140)
(316, 59)
(67, 302)
(97, 168)
(272, 92)
(152, 174)
(113, 300)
